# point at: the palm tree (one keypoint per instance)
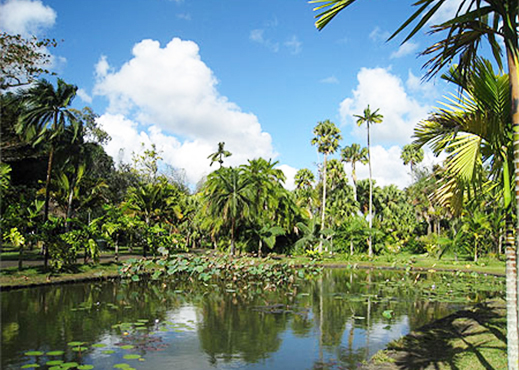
(326, 137)
(411, 155)
(495, 21)
(475, 128)
(304, 190)
(353, 154)
(45, 115)
(228, 197)
(219, 155)
(368, 118)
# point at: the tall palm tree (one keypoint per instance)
(368, 118)
(304, 191)
(353, 154)
(46, 111)
(228, 197)
(219, 155)
(326, 137)
(495, 21)
(411, 155)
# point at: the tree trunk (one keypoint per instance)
(259, 248)
(46, 205)
(370, 212)
(232, 237)
(511, 297)
(324, 205)
(511, 273)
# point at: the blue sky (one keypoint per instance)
(256, 74)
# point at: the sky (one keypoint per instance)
(255, 74)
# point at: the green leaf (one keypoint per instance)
(75, 344)
(131, 357)
(34, 353)
(54, 362)
(85, 367)
(55, 353)
(388, 314)
(30, 366)
(127, 346)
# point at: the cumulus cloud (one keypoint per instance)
(168, 96)
(405, 49)
(290, 173)
(380, 89)
(84, 96)
(25, 17)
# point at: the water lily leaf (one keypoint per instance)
(108, 351)
(75, 344)
(131, 357)
(55, 353)
(98, 345)
(69, 365)
(79, 349)
(388, 314)
(122, 366)
(30, 366)
(34, 353)
(127, 346)
(54, 362)
(85, 367)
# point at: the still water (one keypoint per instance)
(334, 321)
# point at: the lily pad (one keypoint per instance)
(30, 366)
(131, 357)
(34, 353)
(55, 353)
(69, 365)
(75, 344)
(98, 345)
(85, 367)
(54, 362)
(122, 366)
(108, 351)
(127, 346)
(79, 349)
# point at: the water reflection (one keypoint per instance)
(332, 322)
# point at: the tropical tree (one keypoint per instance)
(353, 154)
(495, 21)
(219, 155)
(304, 191)
(227, 197)
(368, 118)
(411, 155)
(46, 112)
(326, 137)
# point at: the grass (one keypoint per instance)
(470, 339)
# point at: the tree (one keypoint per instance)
(326, 137)
(368, 118)
(227, 195)
(353, 154)
(411, 155)
(495, 21)
(45, 116)
(22, 60)
(219, 155)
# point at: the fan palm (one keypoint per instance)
(353, 154)
(327, 137)
(411, 155)
(368, 118)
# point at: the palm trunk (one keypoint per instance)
(511, 259)
(324, 205)
(511, 296)
(370, 211)
(232, 237)
(354, 178)
(46, 205)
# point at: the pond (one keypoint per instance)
(334, 321)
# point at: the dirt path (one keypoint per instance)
(102, 259)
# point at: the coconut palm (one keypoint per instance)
(495, 21)
(368, 118)
(227, 194)
(411, 155)
(353, 154)
(219, 155)
(327, 137)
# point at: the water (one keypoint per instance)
(333, 322)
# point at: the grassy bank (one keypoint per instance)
(469, 339)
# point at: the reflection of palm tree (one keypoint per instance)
(219, 155)
(367, 118)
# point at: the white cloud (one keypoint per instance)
(184, 16)
(257, 36)
(416, 85)
(405, 50)
(84, 96)
(172, 92)
(378, 35)
(447, 11)
(294, 45)
(330, 80)
(290, 173)
(25, 17)
(382, 90)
